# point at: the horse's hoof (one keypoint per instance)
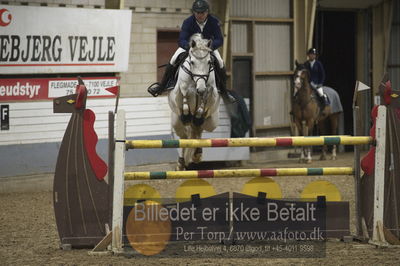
(333, 158)
(197, 158)
(186, 119)
(179, 168)
(322, 158)
(309, 161)
(199, 112)
(198, 121)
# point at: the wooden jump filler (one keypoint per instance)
(82, 197)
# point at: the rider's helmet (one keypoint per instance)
(312, 51)
(200, 6)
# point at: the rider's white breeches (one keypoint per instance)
(320, 91)
(181, 50)
(176, 54)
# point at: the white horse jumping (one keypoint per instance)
(194, 101)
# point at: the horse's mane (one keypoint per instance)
(302, 67)
(196, 36)
(201, 43)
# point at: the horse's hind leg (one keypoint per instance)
(198, 155)
(321, 127)
(334, 152)
(198, 152)
(334, 119)
(209, 124)
(302, 153)
(180, 130)
(180, 165)
(323, 153)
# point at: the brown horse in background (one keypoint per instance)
(307, 112)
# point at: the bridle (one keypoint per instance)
(302, 86)
(197, 77)
(298, 73)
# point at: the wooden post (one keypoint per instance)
(119, 166)
(357, 176)
(111, 150)
(311, 25)
(378, 237)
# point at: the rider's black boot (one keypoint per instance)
(156, 89)
(324, 101)
(221, 84)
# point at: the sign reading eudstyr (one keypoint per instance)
(63, 40)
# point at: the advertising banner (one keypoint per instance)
(37, 40)
(48, 88)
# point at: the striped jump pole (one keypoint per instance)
(239, 173)
(248, 142)
(122, 144)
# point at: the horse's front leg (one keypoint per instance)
(200, 110)
(198, 119)
(186, 116)
(307, 127)
(185, 106)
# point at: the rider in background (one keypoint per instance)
(209, 26)
(317, 73)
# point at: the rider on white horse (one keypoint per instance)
(209, 26)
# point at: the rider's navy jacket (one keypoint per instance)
(211, 31)
(317, 72)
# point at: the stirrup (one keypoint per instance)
(155, 89)
(231, 98)
(228, 97)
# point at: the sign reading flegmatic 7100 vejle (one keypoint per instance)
(63, 40)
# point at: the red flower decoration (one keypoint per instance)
(387, 93)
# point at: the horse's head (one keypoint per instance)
(301, 76)
(200, 62)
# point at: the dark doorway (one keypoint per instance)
(167, 43)
(241, 82)
(335, 40)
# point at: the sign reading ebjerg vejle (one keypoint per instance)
(63, 40)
